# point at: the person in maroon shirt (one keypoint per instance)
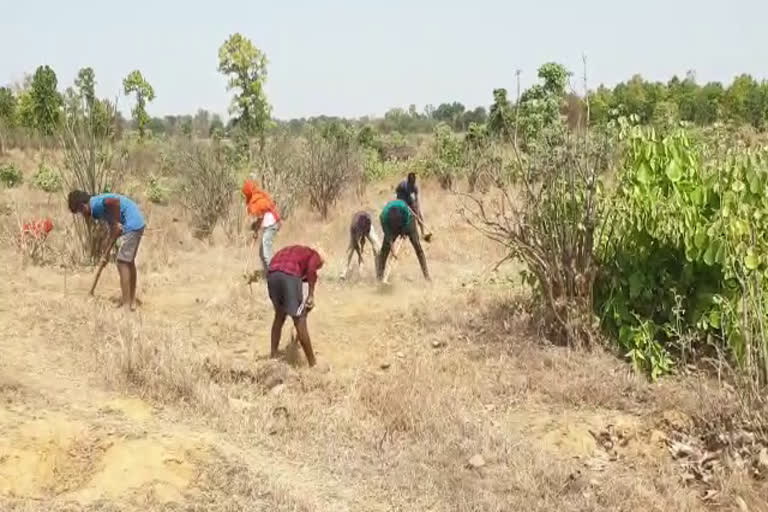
(289, 268)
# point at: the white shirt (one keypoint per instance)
(268, 220)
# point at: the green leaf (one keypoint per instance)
(754, 182)
(644, 173)
(751, 260)
(738, 186)
(714, 318)
(697, 196)
(674, 171)
(701, 238)
(710, 255)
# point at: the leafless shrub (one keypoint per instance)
(208, 183)
(548, 216)
(328, 165)
(278, 170)
(91, 164)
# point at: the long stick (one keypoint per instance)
(421, 221)
(101, 266)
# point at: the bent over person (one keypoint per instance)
(360, 230)
(398, 221)
(290, 267)
(408, 192)
(126, 223)
(266, 221)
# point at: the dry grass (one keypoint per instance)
(421, 379)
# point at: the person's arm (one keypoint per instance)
(312, 266)
(256, 226)
(112, 207)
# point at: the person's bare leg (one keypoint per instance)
(381, 261)
(124, 269)
(303, 334)
(414, 236)
(277, 330)
(133, 286)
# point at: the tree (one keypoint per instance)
(246, 67)
(45, 101)
(135, 83)
(500, 118)
(8, 104)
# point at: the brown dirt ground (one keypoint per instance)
(177, 408)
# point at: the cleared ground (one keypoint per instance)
(426, 397)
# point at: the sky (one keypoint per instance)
(361, 57)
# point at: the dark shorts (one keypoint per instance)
(285, 292)
(359, 229)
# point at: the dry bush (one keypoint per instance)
(208, 183)
(91, 164)
(548, 216)
(278, 170)
(328, 165)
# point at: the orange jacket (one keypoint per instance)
(258, 201)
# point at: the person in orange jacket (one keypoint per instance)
(266, 219)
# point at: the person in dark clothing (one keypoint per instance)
(408, 192)
(288, 269)
(397, 220)
(360, 230)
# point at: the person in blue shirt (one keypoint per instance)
(126, 223)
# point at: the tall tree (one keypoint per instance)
(45, 101)
(500, 117)
(246, 67)
(7, 114)
(135, 83)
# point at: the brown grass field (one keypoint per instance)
(426, 398)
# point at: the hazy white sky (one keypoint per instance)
(354, 58)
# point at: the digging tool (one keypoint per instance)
(428, 235)
(102, 264)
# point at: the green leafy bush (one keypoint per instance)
(10, 175)
(47, 179)
(687, 263)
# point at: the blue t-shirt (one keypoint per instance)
(130, 216)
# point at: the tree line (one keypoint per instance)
(37, 106)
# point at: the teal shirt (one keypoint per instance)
(405, 213)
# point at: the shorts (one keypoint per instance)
(129, 246)
(286, 293)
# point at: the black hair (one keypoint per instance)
(411, 176)
(76, 200)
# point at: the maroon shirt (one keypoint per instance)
(297, 260)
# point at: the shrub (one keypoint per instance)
(157, 192)
(328, 165)
(447, 157)
(548, 215)
(208, 184)
(688, 265)
(91, 164)
(47, 179)
(278, 170)
(10, 175)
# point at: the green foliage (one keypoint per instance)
(8, 104)
(447, 160)
(45, 102)
(136, 84)
(540, 106)
(10, 175)
(246, 67)
(501, 116)
(156, 191)
(47, 179)
(689, 252)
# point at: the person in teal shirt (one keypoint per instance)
(397, 220)
(125, 222)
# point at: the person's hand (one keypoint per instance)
(310, 303)
(103, 260)
(117, 229)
